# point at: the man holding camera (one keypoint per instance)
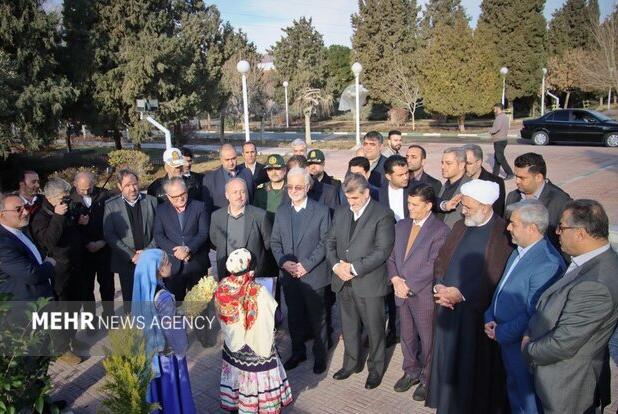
(90, 200)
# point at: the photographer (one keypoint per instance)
(89, 200)
(54, 228)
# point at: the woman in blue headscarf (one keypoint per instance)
(170, 387)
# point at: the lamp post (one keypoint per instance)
(287, 119)
(609, 93)
(544, 70)
(503, 71)
(357, 68)
(243, 67)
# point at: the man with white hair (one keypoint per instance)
(532, 267)
(467, 375)
(299, 147)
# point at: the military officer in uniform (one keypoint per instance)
(269, 194)
(315, 165)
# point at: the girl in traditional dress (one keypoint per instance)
(170, 387)
(252, 377)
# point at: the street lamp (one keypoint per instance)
(243, 67)
(503, 71)
(544, 70)
(609, 93)
(287, 119)
(357, 68)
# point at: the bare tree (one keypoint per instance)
(404, 91)
(312, 101)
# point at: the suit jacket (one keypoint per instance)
(417, 267)
(118, 234)
(499, 203)
(574, 319)
(374, 193)
(538, 269)
(330, 180)
(20, 273)
(259, 175)
(322, 193)
(193, 234)
(451, 217)
(213, 188)
(376, 177)
(429, 180)
(385, 202)
(258, 228)
(554, 199)
(193, 183)
(308, 246)
(93, 231)
(367, 249)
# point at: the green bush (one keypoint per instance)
(68, 174)
(137, 161)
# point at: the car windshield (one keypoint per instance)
(601, 116)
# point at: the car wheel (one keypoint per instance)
(611, 139)
(540, 138)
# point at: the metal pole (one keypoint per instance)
(503, 89)
(543, 96)
(609, 99)
(357, 111)
(168, 135)
(246, 107)
(287, 119)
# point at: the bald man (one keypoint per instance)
(213, 189)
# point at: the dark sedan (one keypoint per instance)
(575, 126)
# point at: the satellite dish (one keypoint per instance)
(347, 102)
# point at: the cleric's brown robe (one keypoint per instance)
(484, 390)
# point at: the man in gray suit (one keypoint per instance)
(566, 343)
(298, 244)
(448, 203)
(240, 225)
(359, 243)
(128, 222)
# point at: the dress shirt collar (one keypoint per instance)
(421, 221)
(361, 211)
(13, 230)
(26, 202)
(536, 195)
(302, 206)
(418, 175)
(133, 203)
(523, 250)
(583, 258)
(242, 212)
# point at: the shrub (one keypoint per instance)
(397, 116)
(134, 160)
(68, 174)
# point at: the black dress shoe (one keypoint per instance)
(373, 381)
(420, 393)
(405, 383)
(342, 374)
(294, 361)
(319, 366)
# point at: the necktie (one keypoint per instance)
(413, 233)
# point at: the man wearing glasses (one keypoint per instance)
(298, 244)
(181, 230)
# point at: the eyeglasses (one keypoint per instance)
(18, 209)
(561, 228)
(176, 197)
(295, 187)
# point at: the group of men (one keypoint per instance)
(486, 305)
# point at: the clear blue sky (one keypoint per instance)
(262, 20)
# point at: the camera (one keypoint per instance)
(76, 208)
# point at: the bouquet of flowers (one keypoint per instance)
(199, 296)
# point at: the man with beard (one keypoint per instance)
(449, 198)
(416, 157)
(249, 154)
(467, 375)
(476, 171)
(393, 143)
(29, 187)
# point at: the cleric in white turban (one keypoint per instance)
(467, 375)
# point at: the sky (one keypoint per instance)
(262, 20)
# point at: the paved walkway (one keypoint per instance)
(584, 172)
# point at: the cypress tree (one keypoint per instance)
(570, 26)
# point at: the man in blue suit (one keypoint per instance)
(181, 230)
(531, 269)
(213, 185)
(25, 273)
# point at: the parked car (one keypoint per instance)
(581, 126)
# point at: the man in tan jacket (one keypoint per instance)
(499, 133)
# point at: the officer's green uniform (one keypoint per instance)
(265, 196)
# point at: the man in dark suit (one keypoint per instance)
(213, 189)
(181, 230)
(173, 164)
(298, 244)
(448, 203)
(359, 165)
(258, 172)
(359, 243)
(96, 260)
(25, 273)
(315, 165)
(372, 147)
(530, 177)
(193, 179)
(128, 222)
(29, 187)
(416, 157)
(476, 171)
(240, 225)
(418, 240)
(566, 343)
(321, 192)
(529, 271)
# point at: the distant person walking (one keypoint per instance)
(499, 133)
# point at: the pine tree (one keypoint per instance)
(517, 30)
(570, 27)
(34, 89)
(440, 11)
(338, 73)
(383, 30)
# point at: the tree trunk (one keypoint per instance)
(117, 139)
(222, 127)
(566, 99)
(208, 121)
(67, 138)
(460, 122)
(308, 128)
(177, 139)
(414, 119)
